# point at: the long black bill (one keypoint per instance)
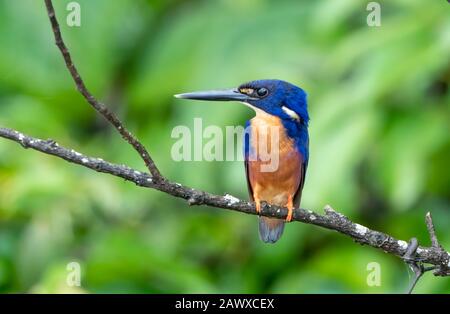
(220, 95)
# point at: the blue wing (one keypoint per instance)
(246, 150)
(302, 143)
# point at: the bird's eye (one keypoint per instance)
(262, 91)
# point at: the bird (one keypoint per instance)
(280, 125)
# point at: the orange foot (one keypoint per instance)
(290, 206)
(258, 204)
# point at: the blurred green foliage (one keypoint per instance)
(380, 145)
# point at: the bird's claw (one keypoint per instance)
(258, 206)
(289, 215)
(290, 206)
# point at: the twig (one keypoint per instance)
(443, 269)
(432, 231)
(416, 267)
(98, 106)
(417, 264)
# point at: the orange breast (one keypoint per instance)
(273, 186)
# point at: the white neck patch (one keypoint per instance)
(257, 110)
(291, 113)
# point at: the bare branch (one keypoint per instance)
(332, 220)
(443, 269)
(417, 265)
(409, 259)
(98, 106)
(432, 231)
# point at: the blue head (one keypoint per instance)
(275, 97)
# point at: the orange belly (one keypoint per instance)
(276, 186)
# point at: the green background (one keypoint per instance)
(380, 144)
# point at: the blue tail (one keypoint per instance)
(270, 229)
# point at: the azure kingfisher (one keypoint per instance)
(278, 106)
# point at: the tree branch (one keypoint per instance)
(332, 220)
(98, 106)
(416, 265)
